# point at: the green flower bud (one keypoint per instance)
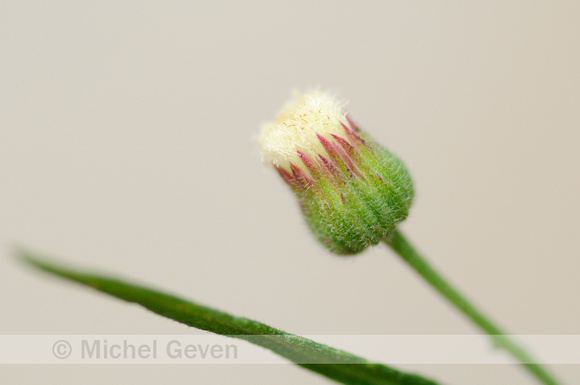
(352, 191)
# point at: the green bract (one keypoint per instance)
(352, 191)
(354, 195)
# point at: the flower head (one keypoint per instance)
(351, 190)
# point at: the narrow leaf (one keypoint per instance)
(337, 365)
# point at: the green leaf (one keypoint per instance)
(336, 364)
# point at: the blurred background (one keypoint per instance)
(127, 146)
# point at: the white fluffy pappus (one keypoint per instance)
(297, 126)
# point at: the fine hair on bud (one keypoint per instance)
(351, 190)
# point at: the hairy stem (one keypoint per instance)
(408, 253)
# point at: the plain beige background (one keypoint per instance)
(127, 146)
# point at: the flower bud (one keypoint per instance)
(351, 190)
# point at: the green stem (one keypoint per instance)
(406, 251)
